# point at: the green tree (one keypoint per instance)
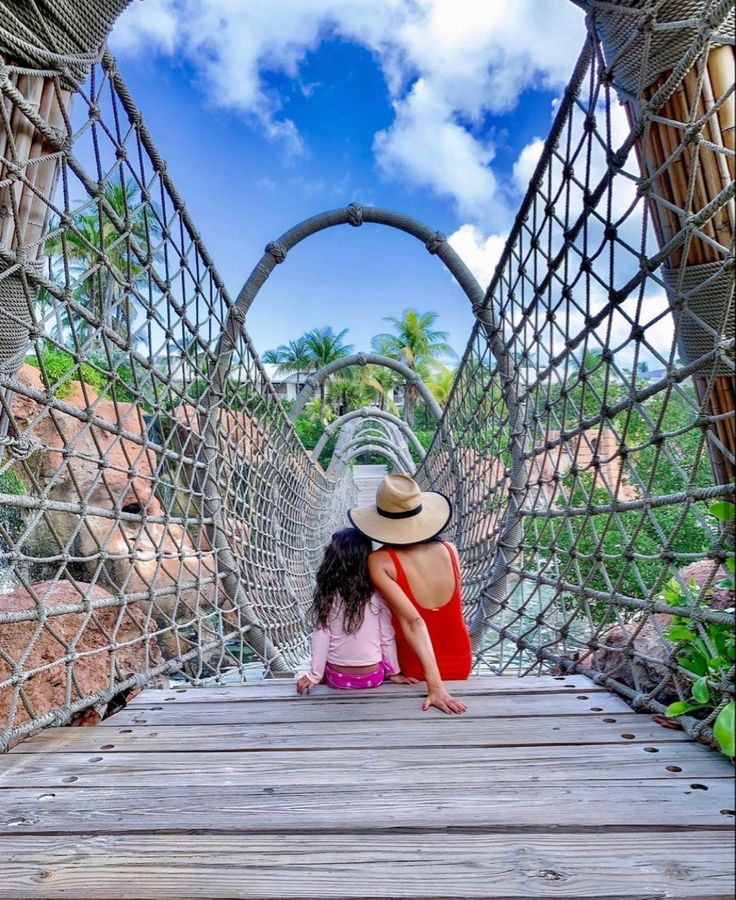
(325, 347)
(348, 390)
(417, 343)
(100, 258)
(382, 383)
(294, 357)
(440, 382)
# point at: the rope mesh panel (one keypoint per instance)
(568, 545)
(147, 526)
(158, 513)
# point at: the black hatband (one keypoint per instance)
(399, 515)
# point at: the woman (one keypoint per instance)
(419, 577)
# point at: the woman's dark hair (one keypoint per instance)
(344, 571)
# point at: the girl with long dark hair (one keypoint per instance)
(353, 643)
(418, 575)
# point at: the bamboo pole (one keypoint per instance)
(690, 181)
(29, 164)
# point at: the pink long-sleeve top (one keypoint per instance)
(373, 642)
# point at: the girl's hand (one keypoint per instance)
(443, 700)
(304, 685)
(403, 679)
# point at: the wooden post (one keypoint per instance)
(688, 165)
(702, 172)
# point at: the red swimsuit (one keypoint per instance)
(446, 626)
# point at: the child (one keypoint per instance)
(353, 643)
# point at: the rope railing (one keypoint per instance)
(623, 365)
(159, 516)
(148, 526)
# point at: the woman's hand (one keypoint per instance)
(304, 685)
(403, 679)
(444, 701)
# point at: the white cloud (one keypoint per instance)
(147, 27)
(526, 163)
(479, 253)
(447, 64)
(425, 146)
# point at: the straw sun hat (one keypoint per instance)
(402, 514)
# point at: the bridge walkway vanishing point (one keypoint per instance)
(367, 479)
(549, 786)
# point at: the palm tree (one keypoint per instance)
(348, 390)
(92, 238)
(382, 382)
(440, 382)
(292, 357)
(415, 342)
(325, 347)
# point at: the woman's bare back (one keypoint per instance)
(429, 571)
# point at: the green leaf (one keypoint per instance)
(731, 564)
(673, 593)
(699, 646)
(679, 633)
(725, 584)
(695, 663)
(723, 729)
(718, 635)
(723, 510)
(700, 690)
(680, 707)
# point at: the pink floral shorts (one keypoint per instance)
(354, 681)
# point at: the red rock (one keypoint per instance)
(80, 633)
(81, 461)
(646, 670)
(705, 573)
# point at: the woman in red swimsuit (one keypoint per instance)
(419, 577)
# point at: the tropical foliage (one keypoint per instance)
(413, 340)
(707, 652)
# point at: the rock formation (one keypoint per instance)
(97, 458)
(69, 656)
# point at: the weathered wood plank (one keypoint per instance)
(433, 730)
(366, 709)
(510, 765)
(284, 689)
(256, 809)
(307, 867)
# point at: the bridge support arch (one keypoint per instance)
(436, 243)
(361, 444)
(386, 451)
(363, 359)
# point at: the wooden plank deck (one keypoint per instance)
(549, 787)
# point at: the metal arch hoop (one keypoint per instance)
(363, 359)
(233, 330)
(358, 445)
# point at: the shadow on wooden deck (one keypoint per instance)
(547, 787)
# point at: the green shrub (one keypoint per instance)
(61, 369)
(709, 652)
(11, 517)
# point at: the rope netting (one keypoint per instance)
(159, 515)
(158, 511)
(592, 415)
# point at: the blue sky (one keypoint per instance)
(269, 112)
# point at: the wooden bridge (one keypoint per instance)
(549, 786)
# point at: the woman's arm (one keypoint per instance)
(412, 624)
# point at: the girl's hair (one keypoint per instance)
(344, 571)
